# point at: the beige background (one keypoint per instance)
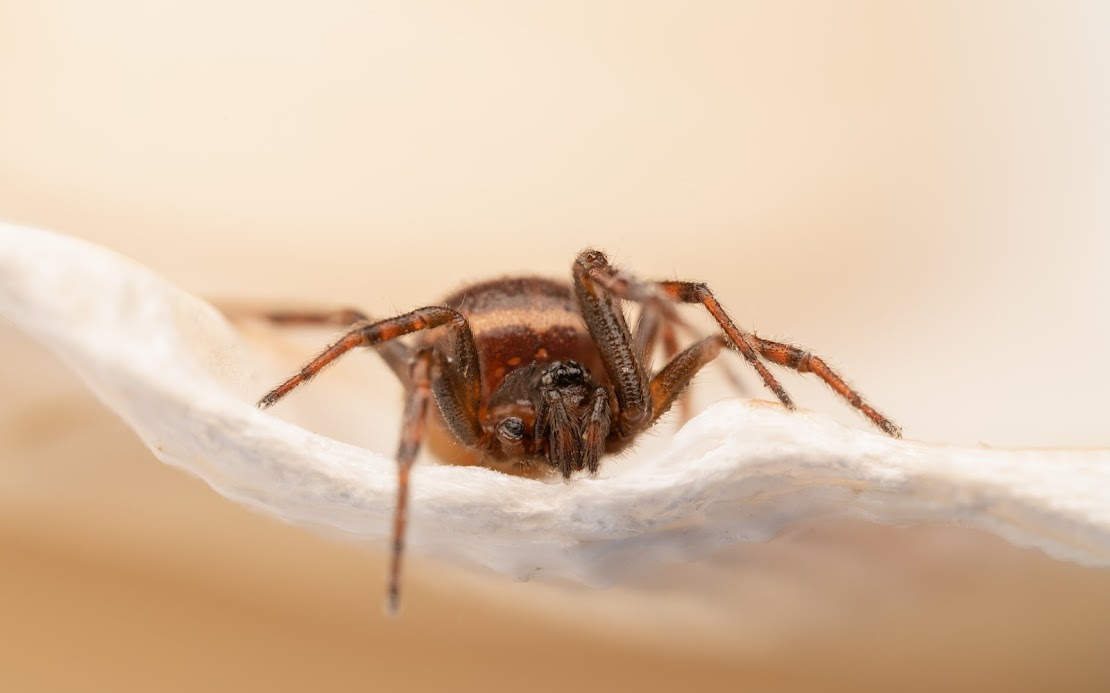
(917, 191)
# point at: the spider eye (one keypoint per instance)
(511, 428)
(562, 374)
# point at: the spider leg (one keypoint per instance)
(605, 321)
(751, 347)
(412, 434)
(382, 332)
(596, 430)
(696, 292)
(802, 361)
(670, 382)
(457, 387)
(596, 271)
(396, 355)
(341, 317)
(650, 326)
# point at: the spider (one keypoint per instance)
(541, 374)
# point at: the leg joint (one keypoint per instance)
(687, 292)
(592, 258)
(799, 360)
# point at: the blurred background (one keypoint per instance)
(917, 191)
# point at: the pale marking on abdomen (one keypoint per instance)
(538, 321)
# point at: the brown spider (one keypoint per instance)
(535, 372)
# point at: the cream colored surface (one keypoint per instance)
(916, 192)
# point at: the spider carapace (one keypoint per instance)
(540, 373)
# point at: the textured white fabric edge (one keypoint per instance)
(740, 471)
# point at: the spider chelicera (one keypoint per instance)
(544, 374)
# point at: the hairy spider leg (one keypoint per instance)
(456, 387)
(624, 364)
(592, 269)
(373, 335)
(396, 355)
(673, 379)
(597, 430)
(626, 286)
(412, 434)
(803, 361)
(781, 354)
(651, 326)
(341, 317)
(696, 292)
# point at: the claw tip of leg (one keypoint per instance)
(392, 603)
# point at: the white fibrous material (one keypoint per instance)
(172, 367)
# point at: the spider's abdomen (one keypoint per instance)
(516, 321)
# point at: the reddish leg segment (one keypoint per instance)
(694, 292)
(396, 355)
(598, 272)
(370, 335)
(651, 327)
(626, 286)
(412, 434)
(669, 384)
(802, 361)
(454, 380)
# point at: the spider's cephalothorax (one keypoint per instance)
(528, 370)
